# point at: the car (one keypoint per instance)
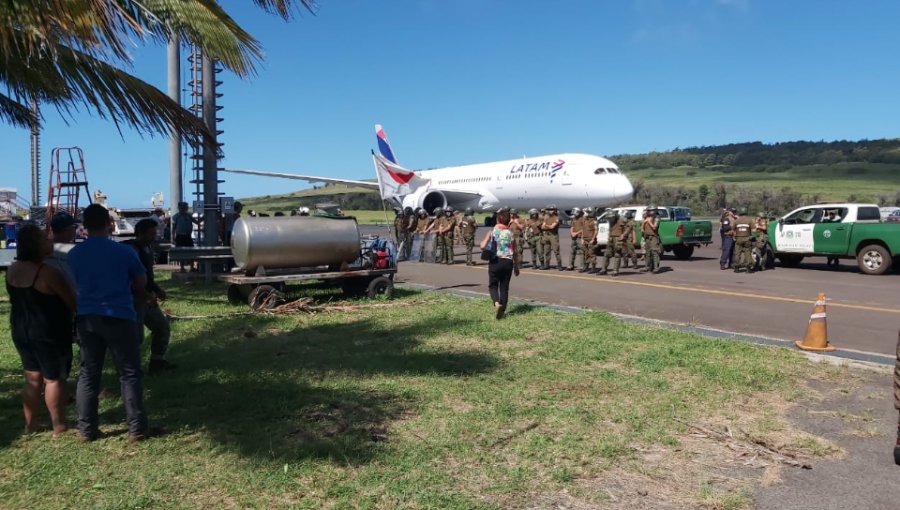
(893, 217)
(886, 212)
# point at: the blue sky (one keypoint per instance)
(467, 81)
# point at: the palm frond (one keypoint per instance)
(285, 8)
(66, 78)
(15, 113)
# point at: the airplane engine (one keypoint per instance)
(430, 200)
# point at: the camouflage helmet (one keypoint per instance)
(629, 215)
(533, 212)
(423, 212)
(448, 209)
(588, 211)
(438, 211)
(514, 212)
(408, 210)
(551, 207)
(576, 211)
(469, 211)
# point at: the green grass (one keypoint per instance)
(829, 182)
(427, 404)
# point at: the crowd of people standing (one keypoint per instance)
(106, 290)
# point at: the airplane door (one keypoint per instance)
(566, 179)
(499, 182)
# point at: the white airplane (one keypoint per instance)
(565, 180)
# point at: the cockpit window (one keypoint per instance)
(613, 170)
(599, 171)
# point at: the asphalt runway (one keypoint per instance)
(863, 311)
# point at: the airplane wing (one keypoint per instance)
(307, 178)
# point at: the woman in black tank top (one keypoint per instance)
(43, 304)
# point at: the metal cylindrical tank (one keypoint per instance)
(294, 241)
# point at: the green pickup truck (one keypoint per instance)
(677, 232)
(840, 231)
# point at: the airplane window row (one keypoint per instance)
(601, 171)
(460, 181)
(528, 176)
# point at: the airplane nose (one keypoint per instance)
(623, 188)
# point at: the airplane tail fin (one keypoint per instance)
(384, 147)
(394, 181)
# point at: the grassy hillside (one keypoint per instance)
(288, 201)
(825, 182)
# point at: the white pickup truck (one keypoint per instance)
(677, 232)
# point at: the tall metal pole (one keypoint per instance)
(210, 156)
(176, 194)
(35, 155)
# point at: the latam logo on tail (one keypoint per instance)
(552, 166)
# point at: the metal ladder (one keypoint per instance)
(67, 177)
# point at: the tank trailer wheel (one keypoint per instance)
(264, 297)
(381, 286)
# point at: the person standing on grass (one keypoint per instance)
(504, 264)
(149, 313)
(182, 228)
(43, 303)
(62, 229)
(110, 277)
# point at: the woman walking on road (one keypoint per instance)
(503, 264)
(43, 305)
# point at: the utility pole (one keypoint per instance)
(35, 154)
(176, 194)
(210, 155)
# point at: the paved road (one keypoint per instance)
(863, 311)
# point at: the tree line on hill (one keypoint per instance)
(754, 154)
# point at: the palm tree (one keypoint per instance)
(73, 54)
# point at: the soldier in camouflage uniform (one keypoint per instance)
(533, 238)
(422, 223)
(550, 237)
(650, 243)
(467, 227)
(589, 241)
(517, 227)
(399, 224)
(448, 229)
(743, 242)
(761, 245)
(614, 243)
(434, 227)
(629, 253)
(576, 233)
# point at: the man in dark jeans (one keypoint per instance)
(149, 313)
(109, 277)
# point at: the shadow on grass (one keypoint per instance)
(13, 422)
(292, 395)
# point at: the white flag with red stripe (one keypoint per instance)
(393, 179)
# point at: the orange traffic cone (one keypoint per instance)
(816, 338)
